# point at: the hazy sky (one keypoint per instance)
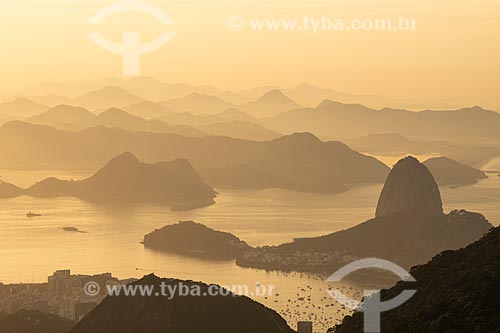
(453, 55)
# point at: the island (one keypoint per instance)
(195, 239)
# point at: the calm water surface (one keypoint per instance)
(31, 249)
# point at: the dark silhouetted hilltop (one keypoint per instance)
(193, 313)
(449, 172)
(194, 239)
(34, 322)
(457, 291)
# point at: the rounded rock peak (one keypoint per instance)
(410, 187)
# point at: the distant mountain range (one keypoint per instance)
(70, 118)
(198, 103)
(409, 229)
(154, 90)
(126, 180)
(389, 143)
(456, 292)
(326, 118)
(298, 162)
(241, 130)
(21, 108)
(338, 120)
(192, 313)
(270, 104)
(107, 97)
(148, 110)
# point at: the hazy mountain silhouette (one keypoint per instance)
(191, 119)
(269, 104)
(148, 110)
(449, 172)
(409, 229)
(354, 120)
(34, 322)
(186, 314)
(8, 190)
(456, 292)
(300, 161)
(254, 93)
(179, 90)
(107, 97)
(233, 98)
(235, 114)
(198, 104)
(50, 100)
(4, 118)
(121, 119)
(396, 143)
(194, 239)
(64, 117)
(21, 108)
(125, 179)
(241, 130)
(74, 118)
(309, 95)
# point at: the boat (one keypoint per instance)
(30, 215)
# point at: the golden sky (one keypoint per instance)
(453, 55)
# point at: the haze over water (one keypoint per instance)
(266, 217)
(32, 249)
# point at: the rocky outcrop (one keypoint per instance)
(410, 188)
(409, 229)
(195, 239)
